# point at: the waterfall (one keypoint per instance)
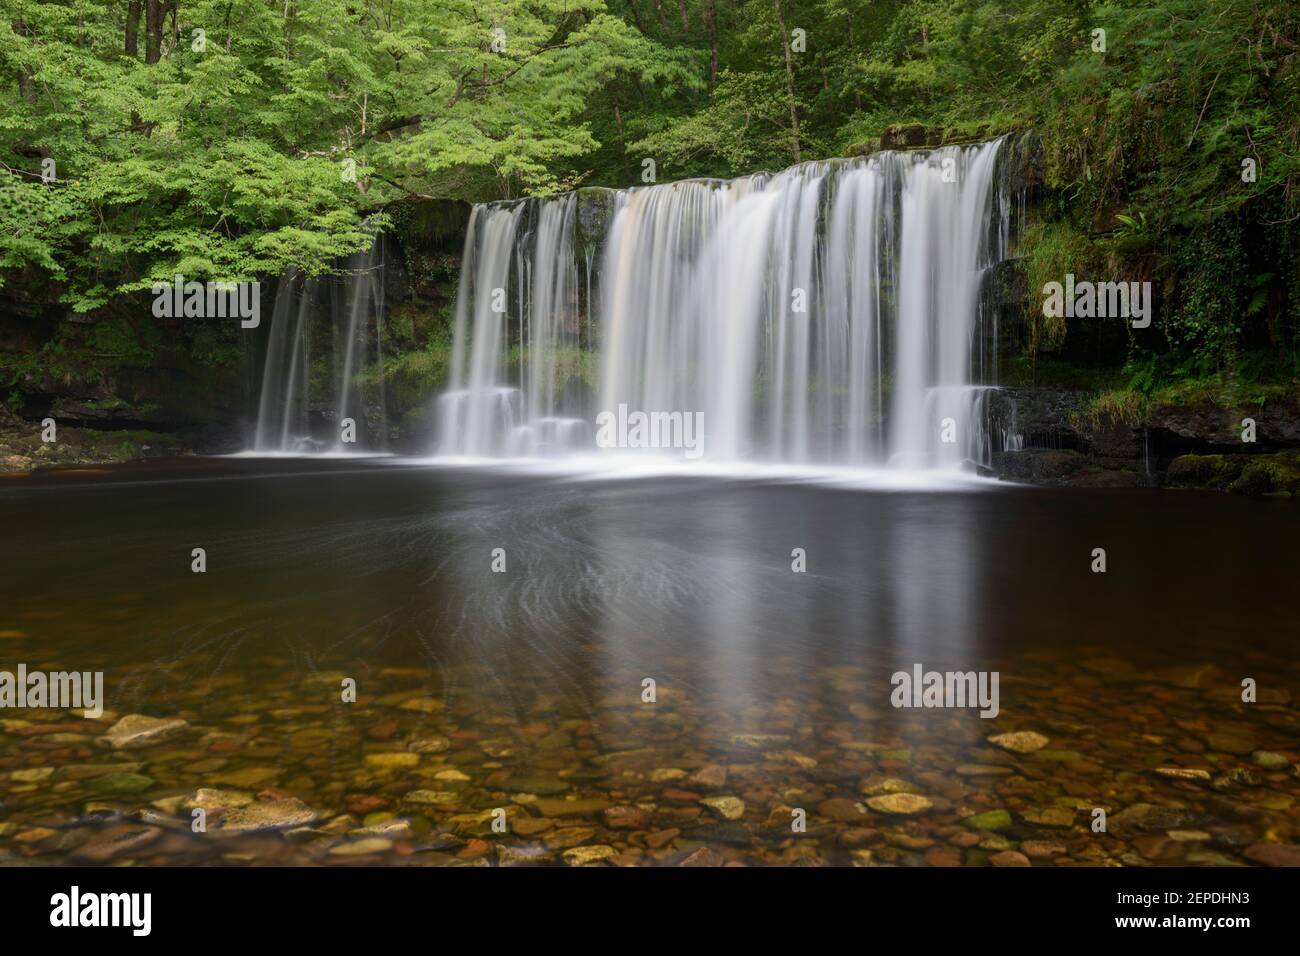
(319, 323)
(827, 314)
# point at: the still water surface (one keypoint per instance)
(523, 690)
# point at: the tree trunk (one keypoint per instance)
(153, 27)
(24, 73)
(686, 21)
(789, 81)
(711, 21)
(133, 10)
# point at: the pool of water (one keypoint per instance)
(505, 716)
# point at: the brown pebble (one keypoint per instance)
(1009, 858)
(943, 856)
(661, 838)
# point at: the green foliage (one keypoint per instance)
(231, 156)
(231, 159)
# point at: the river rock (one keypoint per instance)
(549, 807)
(116, 842)
(1009, 858)
(989, 820)
(138, 730)
(1020, 741)
(364, 847)
(1273, 854)
(120, 783)
(900, 803)
(212, 799)
(587, 855)
(711, 777)
(661, 838)
(728, 808)
(270, 815)
(626, 818)
(1269, 760)
(566, 837)
(1145, 817)
(1183, 773)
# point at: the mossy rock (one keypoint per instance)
(1273, 475)
(1277, 474)
(1204, 471)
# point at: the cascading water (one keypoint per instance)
(827, 314)
(294, 415)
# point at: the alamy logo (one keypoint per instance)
(1101, 300)
(625, 429)
(103, 909)
(922, 688)
(58, 689)
(209, 300)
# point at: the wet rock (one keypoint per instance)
(981, 770)
(1020, 741)
(900, 803)
(429, 745)
(1183, 773)
(32, 774)
(531, 826)
(1050, 817)
(704, 856)
(120, 783)
(271, 815)
(523, 854)
(666, 775)
(1269, 760)
(568, 837)
(878, 785)
(1231, 743)
(626, 818)
(674, 795)
(387, 829)
(661, 838)
(566, 808)
(212, 799)
(365, 847)
(138, 730)
(1273, 854)
(1236, 777)
(711, 777)
(247, 777)
(731, 834)
(1145, 817)
(539, 784)
(365, 802)
(989, 820)
(1009, 858)
(1155, 846)
(728, 808)
(393, 761)
(587, 855)
(431, 797)
(943, 856)
(1040, 849)
(114, 842)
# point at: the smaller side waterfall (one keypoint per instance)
(323, 363)
(520, 270)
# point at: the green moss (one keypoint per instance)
(1241, 474)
